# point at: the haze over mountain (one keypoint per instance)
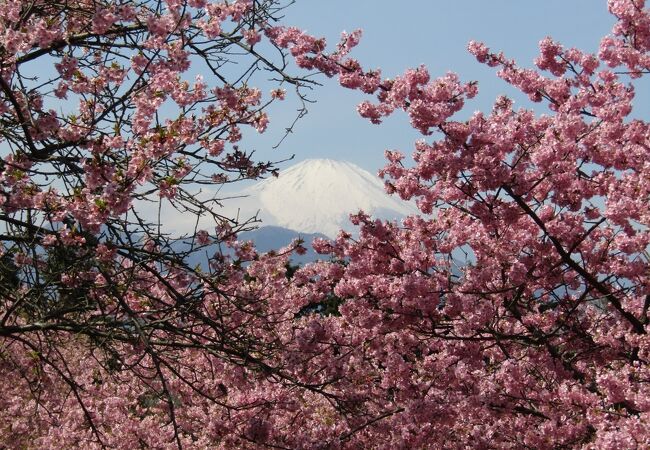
(317, 196)
(313, 198)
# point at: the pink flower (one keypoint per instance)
(252, 36)
(49, 240)
(278, 94)
(202, 237)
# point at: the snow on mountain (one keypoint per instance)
(313, 196)
(317, 196)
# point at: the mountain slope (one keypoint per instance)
(265, 239)
(318, 195)
(272, 238)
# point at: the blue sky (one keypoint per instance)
(398, 35)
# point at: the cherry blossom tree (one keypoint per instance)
(511, 313)
(108, 332)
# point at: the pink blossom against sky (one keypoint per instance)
(414, 32)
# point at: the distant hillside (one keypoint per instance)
(265, 239)
(273, 237)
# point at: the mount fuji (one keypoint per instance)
(317, 196)
(313, 198)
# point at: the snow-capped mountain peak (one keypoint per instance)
(318, 195)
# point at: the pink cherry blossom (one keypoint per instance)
(512, 312)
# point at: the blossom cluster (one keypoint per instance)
(511, 313)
